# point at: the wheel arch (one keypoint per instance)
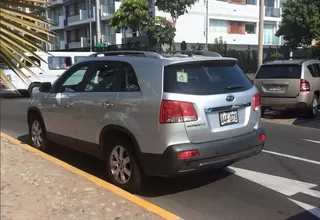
(114, 131)
(34, 111)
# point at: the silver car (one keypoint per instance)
(150, 114)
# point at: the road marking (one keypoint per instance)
(291, 157)
(313, 210)
(285, 186)
(124, 194)
(313, 141)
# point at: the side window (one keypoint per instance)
(311, 70)
(58, 63)
(316, 68)
(112, 76)
(74, 80)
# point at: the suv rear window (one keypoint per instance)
(279, 72)
(205, 78)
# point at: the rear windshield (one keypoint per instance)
(279, 72)
(205, 78)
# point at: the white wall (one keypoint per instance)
(191, 26)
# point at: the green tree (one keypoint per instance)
(300, 22)
(133, 14)
(315, 49)
(175, 8)
(19, 31)
(162, 31)
(219, 46)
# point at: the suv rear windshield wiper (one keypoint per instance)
(234, 87)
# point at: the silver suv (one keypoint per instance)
(290, 84)
(151, 114)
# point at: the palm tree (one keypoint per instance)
(19, 31)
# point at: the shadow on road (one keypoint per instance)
(291, 118)
(156, 186)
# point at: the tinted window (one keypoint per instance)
(279, 72)
(205, 78)
(316, 68)
(57, 63)
(112, 77)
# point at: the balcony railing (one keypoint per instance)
(272, 12)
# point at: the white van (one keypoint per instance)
(55, 64)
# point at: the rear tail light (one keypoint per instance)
(256, 102)
(304, 85)
(188, 154)
(262, 137)
(176, 112)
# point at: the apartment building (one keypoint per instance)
(74, 21)
(236, 21)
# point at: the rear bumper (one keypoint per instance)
(301, 102)
(213, 155)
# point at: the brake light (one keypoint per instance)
(262, 137)
(188, 154)
(256, 102)
(304, 85)
(176, 112)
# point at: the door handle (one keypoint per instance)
(70, 104)
(107, 105)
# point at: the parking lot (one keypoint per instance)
(282, 182)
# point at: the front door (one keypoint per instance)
(97, 104)
(60, 104)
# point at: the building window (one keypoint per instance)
(251, 2)
(268, 34)
(218, 26)
(72, 10)
(236, 28)
(250, 28)
(238, 2)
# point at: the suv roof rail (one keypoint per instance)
(128, 53)
(192, 53)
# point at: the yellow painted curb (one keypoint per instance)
(132, 198)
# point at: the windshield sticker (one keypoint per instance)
(182, 77)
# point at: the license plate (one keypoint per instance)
(274, 88)
(228, 118)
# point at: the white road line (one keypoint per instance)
(311, 192)
(291, 157)
(313, 210)
(313, 141)
(286, 186)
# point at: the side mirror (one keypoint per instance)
(45, 87)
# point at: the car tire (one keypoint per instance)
(122, 167)
(313, 110)
(37, 133)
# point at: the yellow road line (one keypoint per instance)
(132, 198)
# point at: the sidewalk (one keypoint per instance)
(33, 188)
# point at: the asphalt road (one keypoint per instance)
(283, 182)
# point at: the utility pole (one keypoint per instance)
(260, 36)
(207, 23)
(98, 20)
(90, 24)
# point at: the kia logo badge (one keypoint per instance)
(230, 98)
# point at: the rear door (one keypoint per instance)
(221, 94)
(279, 80)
